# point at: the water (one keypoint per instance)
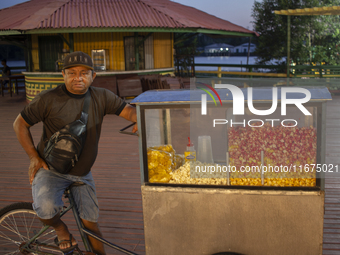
(16, 63)
(234, 60)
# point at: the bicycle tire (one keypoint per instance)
(18, 224)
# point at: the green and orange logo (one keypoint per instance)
(201, 86)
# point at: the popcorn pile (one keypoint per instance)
(283, 146)
(182, 175)
(161, 161)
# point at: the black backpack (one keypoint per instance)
(63, 149)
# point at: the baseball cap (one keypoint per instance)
(78, 58)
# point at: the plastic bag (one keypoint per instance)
(160, 164)
(179, 161)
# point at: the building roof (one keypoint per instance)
(39, 15)
(331, 10)
(219, 45)
(246, 45)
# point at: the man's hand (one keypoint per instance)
(22, 130)
(129, 113)
(35, 164)
(135, 128)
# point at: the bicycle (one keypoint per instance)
(21, 231)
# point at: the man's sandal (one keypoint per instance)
(68, 250)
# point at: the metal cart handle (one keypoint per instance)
(127, 132)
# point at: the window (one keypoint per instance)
(130, 57)
(49, 47)
(146, 59)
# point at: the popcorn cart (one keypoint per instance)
(249, 181)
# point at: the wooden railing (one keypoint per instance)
(17, 69)
(16, 78)
(323, 71)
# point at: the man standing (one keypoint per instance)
(6, 71)
(56, 108)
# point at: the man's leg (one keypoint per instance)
(47, 190)
(87, 204)
(98, 247)
(61, 231)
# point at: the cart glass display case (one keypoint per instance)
(264, 137)
(251, 170)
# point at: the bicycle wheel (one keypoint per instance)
(18, 224)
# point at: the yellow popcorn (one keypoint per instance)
(160, 164)
(182, 175)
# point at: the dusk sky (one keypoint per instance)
(235, 11)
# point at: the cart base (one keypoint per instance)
(207, 221)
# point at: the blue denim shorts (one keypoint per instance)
(48, 188)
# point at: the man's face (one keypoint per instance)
(3, 63)
(78, 79)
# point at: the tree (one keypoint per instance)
(313, 38)
(326, 44)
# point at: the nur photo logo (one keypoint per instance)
(238, 103)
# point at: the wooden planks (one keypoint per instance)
(331, 237)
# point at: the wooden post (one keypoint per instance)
(136, 52)
(320, 71)
(219, 69)
(248, 51)
(71, 42)
(29, 53)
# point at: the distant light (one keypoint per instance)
(221, 48)
(226, 48)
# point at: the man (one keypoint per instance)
(6, 71)
(56, 108)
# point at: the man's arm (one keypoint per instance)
(22, 130)
(129, 113)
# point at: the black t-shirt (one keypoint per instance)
(5, 70)
(58, 107)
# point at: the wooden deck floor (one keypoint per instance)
(117, 177)
(331, 233)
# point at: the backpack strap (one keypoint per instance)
(84, 114)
